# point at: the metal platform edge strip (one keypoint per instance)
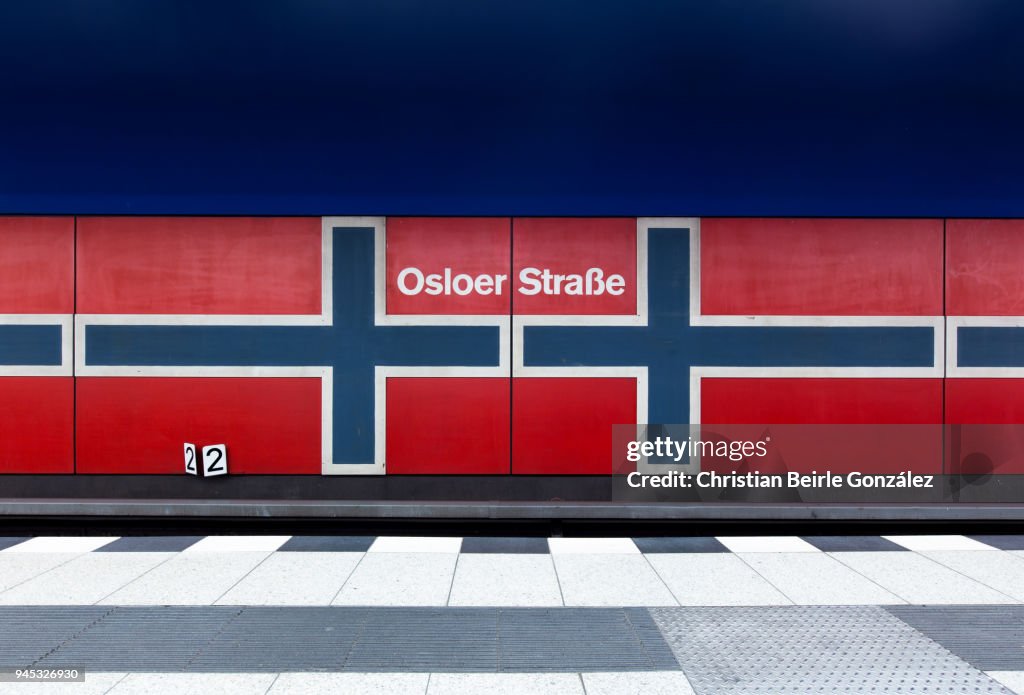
(383, 509)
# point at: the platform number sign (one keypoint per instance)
(190, 459)
(215, 460)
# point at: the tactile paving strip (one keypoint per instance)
(824, 650)
(363, 639)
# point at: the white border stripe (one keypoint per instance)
(953, 370)
(66, 324)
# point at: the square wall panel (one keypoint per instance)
(985, 417)
(840, 424)
(448, 265)
(447, 425)
(137, 425)
(574, 266)
(564, 425)
(807, 267)
(37, 265)
(984, 261)
(199, 265)
(36, 425)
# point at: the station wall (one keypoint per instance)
(371, 345)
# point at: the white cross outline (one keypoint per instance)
(324, 318)
(65, 322)
(697, 318)
(954, 371)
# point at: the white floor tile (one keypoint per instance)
(810, 579)
(767, 544)
(415, 544)
(84, 580)
(610, 580)
(350, 684)
(188, 579)
(16, 568)
(205, 683)
(95, 683)
(505, 684)
(61, 544)
(250, 544)
(925, 543)
(637, 683)
(1014, 680)
(399, 579)
(293, 579)
(714, 579)
(1000, 570)
(592, 546)
(917, 579)
(505, 580)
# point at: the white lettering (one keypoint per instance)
(417, 288)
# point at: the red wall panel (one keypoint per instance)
(138, 425)
(572, 246)
(821, 267)
(470, 246)
(984, 261)
(986, 422)
(199, 265)
(447, 425)
(564, 425)
(842, 425)
(821, 401)
(37, 265)
(36, 425)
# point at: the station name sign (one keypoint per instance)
(412, 281)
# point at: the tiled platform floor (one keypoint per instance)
(305, 614)
(417, 571)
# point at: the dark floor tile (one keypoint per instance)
(680, 544)
(328, 544)
(150, 544)
(8, 541)
(842, 544)
(488, 544)
(1003, 542)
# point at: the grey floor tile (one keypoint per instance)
(505, 580)
(8, 541)
(680, 544)
(504, 545)
(505, 684)
(205, 683)
(835, 544)
(328, 544)
(350, 684)
(149, 544)
(1002, 542)
(87, 579)
(649, 683)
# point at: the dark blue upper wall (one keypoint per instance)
(735, 107)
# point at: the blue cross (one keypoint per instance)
(352, 345)
(990, 346)
(25, 345)
(669, 345)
